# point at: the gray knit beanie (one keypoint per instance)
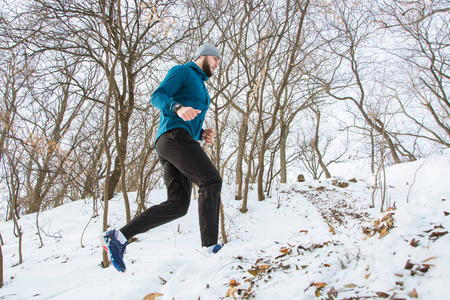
(206, 50)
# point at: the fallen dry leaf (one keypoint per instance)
(425, 268)
(413, 294)
(382, 294)
(391, 208)
(233, 283)
(383, 232)
(230, 293)
(386, 217)
(285, 250)
(332, 293)
(317, 293)
(408, 265)
(319, 284)
(435, 235)
(332, 230)
(414, 243)
(152, 296)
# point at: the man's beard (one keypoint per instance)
(207, 68)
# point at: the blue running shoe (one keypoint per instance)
(115, 249)
(214, 248)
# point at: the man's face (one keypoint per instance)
(210, 64)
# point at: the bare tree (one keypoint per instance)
(15, 74)
(143, 174)
(232, 20)
(55, 109)
(144, 31)
(350, 25)
(15, 185)
(258, 49)
(279, 69)
(422, 73)
(315, 143)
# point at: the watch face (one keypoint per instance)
(176, 107)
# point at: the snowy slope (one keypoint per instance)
(311, 240)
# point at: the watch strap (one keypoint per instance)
(176, 107)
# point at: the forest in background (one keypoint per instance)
(302, 85)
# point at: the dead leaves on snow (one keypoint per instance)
(436, 232)
(419, 268)
(382, 294)
(153, 296)
(319, 286)
(266, 266)
(259, 269)
(414, 243)
(382, 226)
(435, 235)
(414, 294)
(341, 184)
(262, 269)
(232, 290)
(244, 294)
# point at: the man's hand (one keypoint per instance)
(187, 113)
(208, 135)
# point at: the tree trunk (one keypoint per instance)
(247, 179)
(1, 267)
(222, 224)
(260, 187)
(240, 158)
(316, 144)
(122, 152)
(114, 178)
(110, 65)
(283, 142)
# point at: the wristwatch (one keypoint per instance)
(176, 107)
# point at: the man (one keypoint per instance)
(183, 101)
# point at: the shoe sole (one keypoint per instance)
(108, 252)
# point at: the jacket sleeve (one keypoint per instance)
(162, 97)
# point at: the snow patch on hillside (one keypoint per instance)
(311, 240)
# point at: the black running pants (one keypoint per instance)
(184, 162)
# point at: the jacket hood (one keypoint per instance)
(198, 70)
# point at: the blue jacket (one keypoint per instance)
(183, 84)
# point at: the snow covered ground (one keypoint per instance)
(311, 240)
